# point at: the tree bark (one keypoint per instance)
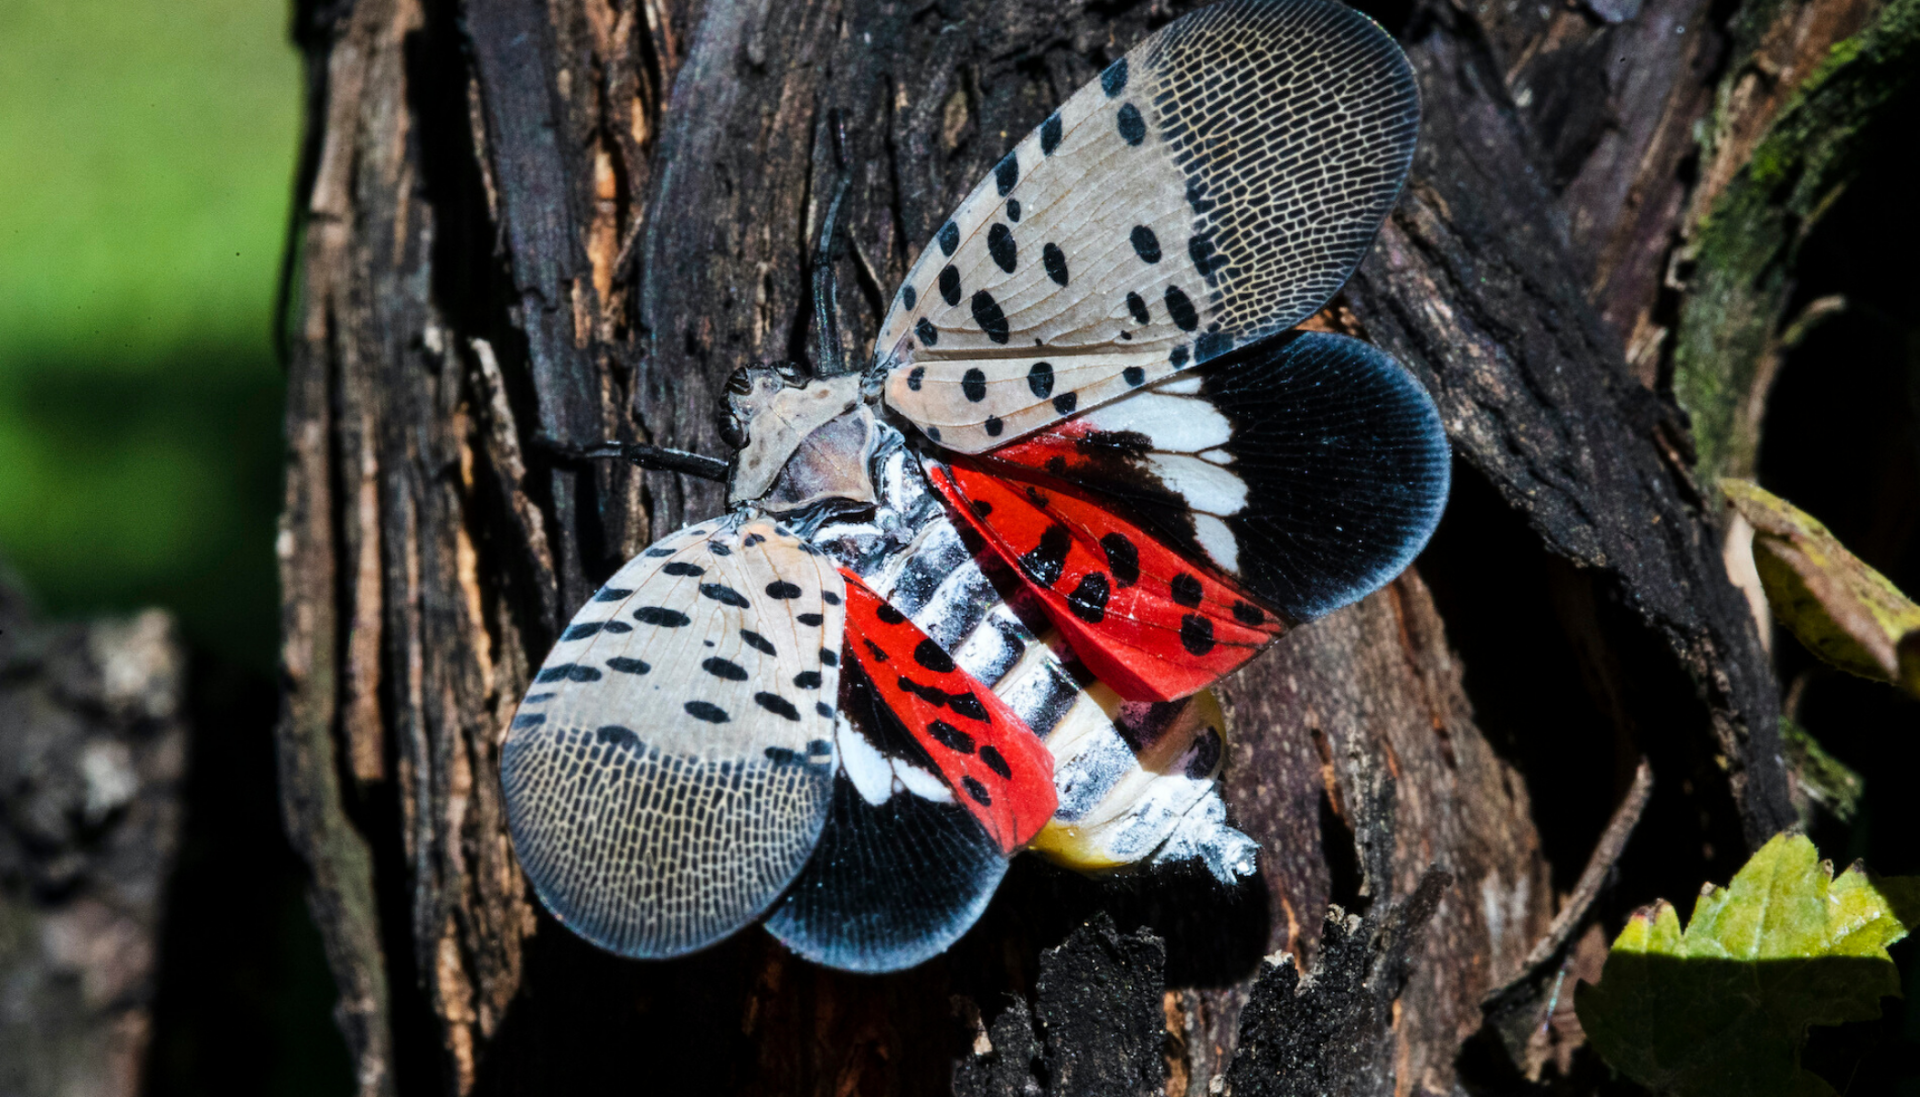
(93, 749)
(574, 220)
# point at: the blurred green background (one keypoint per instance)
(148, 152)
(146, 166)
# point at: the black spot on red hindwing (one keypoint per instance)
(777, 705)
(661, 616)
(1046, 560)
(1186, 589)
(1089, 599)
(933, 657)
(1001, 247)
(976, 790)
(968, 705)
(1057, 465)
(711, 713)
(996, 762)
(1180, 307)
(1123, 558)
(1196, 634)
(1248, 614)
(758, 642)
(1050, 134)
(1040, 379)
(878, 653)
(929, 335)
(1145, 244)
(949, 283)
(986, 313)
(888, 614)
(725, 595)
(948, 238)
(950, 737)
(980, 507)
(1138, 307)
(1133, 128)
(973, 385)
(780, 588)
(932, 695)
(724, 668)
(1055, 260)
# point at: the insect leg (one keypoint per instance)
(658, 458)
(830, 361)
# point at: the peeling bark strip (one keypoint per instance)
(571, 221)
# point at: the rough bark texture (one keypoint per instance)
(569, 221)
(92, 753)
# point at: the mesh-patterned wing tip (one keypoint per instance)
(671, 767)
(1215, 187)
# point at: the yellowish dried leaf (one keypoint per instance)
(1843, 611)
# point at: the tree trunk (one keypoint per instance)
(93, 749)
(576, 220)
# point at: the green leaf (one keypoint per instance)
(1722, 1007)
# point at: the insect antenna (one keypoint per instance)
(657, 458)
(830, 359)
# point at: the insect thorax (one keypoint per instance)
(802, 442)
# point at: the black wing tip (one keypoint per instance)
(889, 886)
(1384, 495)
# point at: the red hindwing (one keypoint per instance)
(1143, 618)
(994, 763)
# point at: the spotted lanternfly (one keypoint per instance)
(969, 599)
